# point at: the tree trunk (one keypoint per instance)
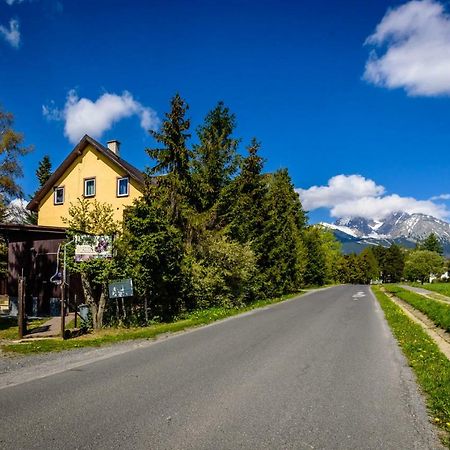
(101, 309)
(97, 309)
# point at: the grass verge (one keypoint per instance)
(10, 330)
(431, 367)
(438, 312)
(113, 335)
(440, 288)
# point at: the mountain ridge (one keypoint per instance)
(356, 233)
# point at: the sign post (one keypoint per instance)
(119, 289)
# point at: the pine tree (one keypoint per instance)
(216, 159)
(173, 164)
(432, 244)
(280, 249)
(241, 205)
(44, 170)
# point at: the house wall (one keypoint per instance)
(89, 164)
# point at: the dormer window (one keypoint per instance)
(58, 196)
(122, 187)
(89, 187)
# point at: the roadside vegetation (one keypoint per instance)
(440, 288)
(9, 329)
(212, 230)
(430, 365)
(105, 336)
(437, 311)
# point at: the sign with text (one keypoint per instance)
(121, 288)
(90, 246)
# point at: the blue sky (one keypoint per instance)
(294, 73)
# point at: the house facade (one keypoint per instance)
(90, 171)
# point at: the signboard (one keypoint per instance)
(121, 288)
(90, 246)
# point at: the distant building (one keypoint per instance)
(90, 171)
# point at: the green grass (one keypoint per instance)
(9, 329)
(438, 312)
(440, 288)
(113, 335)
(430, 365)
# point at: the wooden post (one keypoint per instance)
(76, 310)
(63, 310)
(21, 308)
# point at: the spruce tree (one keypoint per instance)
(281, 251)
(216, 159)
(242, 203)
(172, 164)
(44, 170)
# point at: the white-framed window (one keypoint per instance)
(89, 187)
(58, 195)
(123, 187)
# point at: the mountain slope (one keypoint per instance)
(405, 229)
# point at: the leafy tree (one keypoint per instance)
(222, 273)
(432, 244)
(394, 263)
(216, 159)
(333, 255)
(95, 218)
(316, 268)
(420, 264)
(44, 170)
(11, 149)
(391, 262)
(368, 265)
(152, 249)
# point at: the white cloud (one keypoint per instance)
(84, 116)
(11, 2)
(416, 40)
(441, 197)
(356, 196)
(340, 188)
(11, 35)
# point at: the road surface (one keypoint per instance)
(318, 372)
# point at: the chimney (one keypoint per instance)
(114, 146)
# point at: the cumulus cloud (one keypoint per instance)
(84, 116)
(340, 189)
(356, 196)
(441, 197)
(415, 38)
(11, 2)
(11, 34)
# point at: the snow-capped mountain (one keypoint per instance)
(407, 229)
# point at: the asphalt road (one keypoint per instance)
(321, 371)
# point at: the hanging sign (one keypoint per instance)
(91, 246)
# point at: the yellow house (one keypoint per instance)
(91, 171)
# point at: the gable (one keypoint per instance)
(104, 157)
